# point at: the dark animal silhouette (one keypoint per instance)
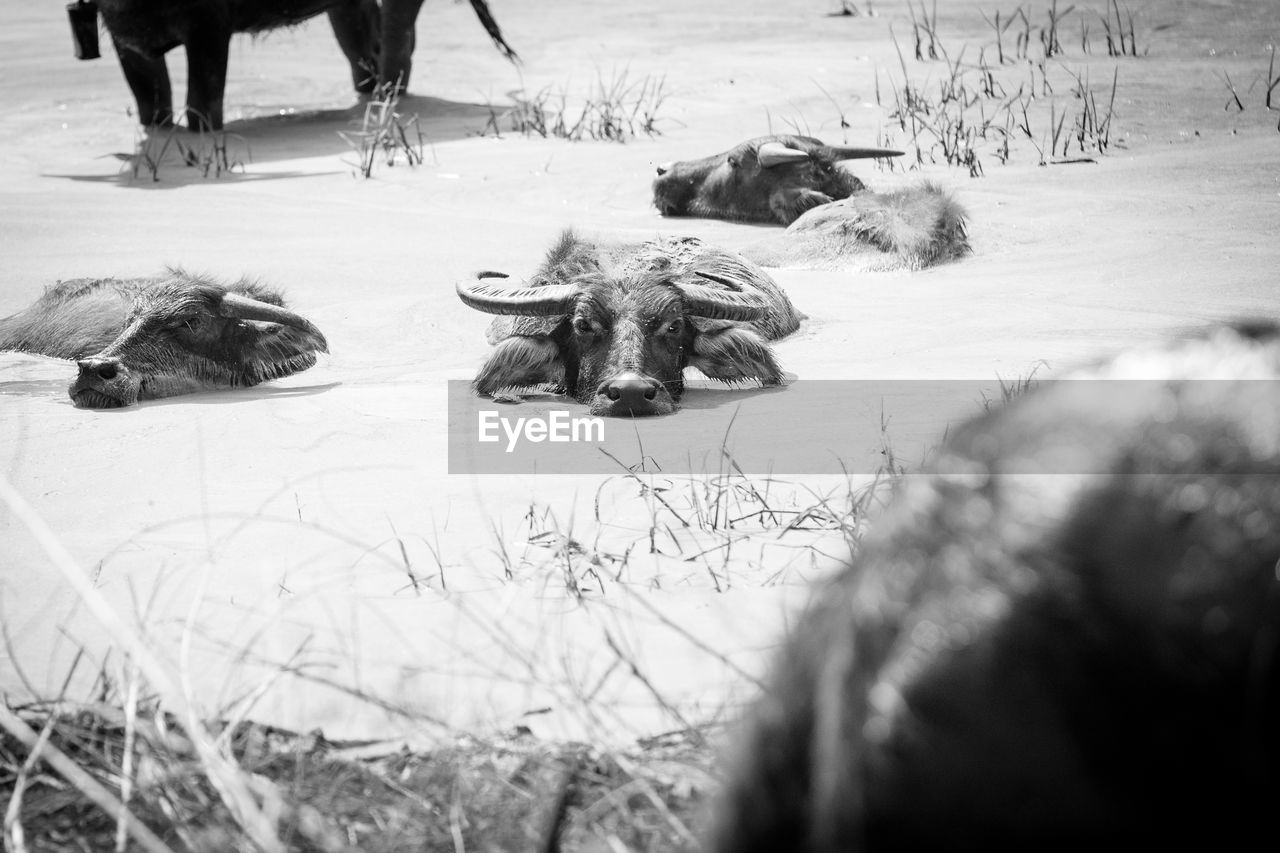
(144, 338)
(614, 325)
(1063, 637)
(377, 41)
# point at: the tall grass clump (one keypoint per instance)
(210, 153)
(385, 134)
(1013, 95)
(613, 109)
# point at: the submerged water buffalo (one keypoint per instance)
(144, 338)
(377, 41)
(834, 221)
(1066, 636)
(907, 228)
(615, 326)
(767, 179)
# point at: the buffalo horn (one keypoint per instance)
(716, 304)
(773, 154)
(844, 152)
(545, 301)
(240, 307)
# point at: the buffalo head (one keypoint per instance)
(768, 179)
(142, 339)
(615, 326)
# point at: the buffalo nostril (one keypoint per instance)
(105, 369)
(630, 390)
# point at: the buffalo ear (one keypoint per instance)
(733, 353)
(520, 361)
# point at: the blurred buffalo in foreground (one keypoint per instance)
(377, 41)
(614, 326)
(1065, 635)
(833, 220)
(145, 338)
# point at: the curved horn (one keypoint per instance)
(545, 301)
(844, 152)
(240, 307)
(716, 304)
(773, 154)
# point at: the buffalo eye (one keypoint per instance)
(583, 326)
(188, 323)
(675, 327)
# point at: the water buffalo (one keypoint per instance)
(1065, 636)
(615, 325)
(833, 221)
(377, 41)
(767, 179)
(144, 338)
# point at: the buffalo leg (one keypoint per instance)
(207, 49)
(398, 20)
(520, 361)
(148, 79)
(356, 25)
(734, 353)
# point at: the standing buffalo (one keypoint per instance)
(834, 221)
(615, 325)
(768, 179)
(377, 41)
(1066, 636)
(145, 338)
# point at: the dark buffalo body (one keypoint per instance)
(767, 179)
(377, 41)
(1065, 636)
(615, 325)
(145, 338)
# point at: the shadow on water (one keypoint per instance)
(175, 157)
(57, 390)
(239, 395)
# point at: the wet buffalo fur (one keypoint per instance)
(629, 317)
(909, 228)
(151, 337)
(1065, 637)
